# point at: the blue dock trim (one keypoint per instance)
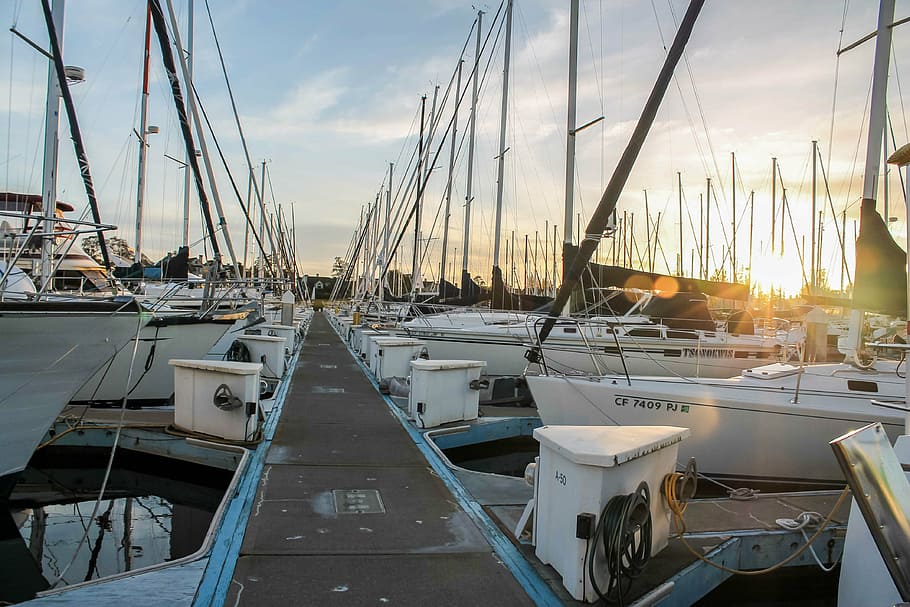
(216, 581)
(511, 557)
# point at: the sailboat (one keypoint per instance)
(773, 421)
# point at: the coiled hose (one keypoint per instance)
(623, 533)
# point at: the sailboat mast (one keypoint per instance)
(879, 95)
(385, 239)
(733, 223)
(190, 99)
(773, 201)
(876, 131)
(262, 222)
(206, 159)
(415, 264)
(681, 269)
(465, 245)
(500, 179)
(143, 133)
(568, 236)
(51, 143)
(813, 277)
(445, 223)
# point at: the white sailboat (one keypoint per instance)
(772, 422)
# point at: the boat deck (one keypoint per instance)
(306, 541)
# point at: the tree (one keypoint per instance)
(339, 266)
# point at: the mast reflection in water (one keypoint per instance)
(147, 517)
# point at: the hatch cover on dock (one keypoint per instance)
(327, 390)
(358, 501)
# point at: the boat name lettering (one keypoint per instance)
(708, 353)
(650, 403)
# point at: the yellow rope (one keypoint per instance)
(678, 507)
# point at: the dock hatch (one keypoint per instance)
(358, 501)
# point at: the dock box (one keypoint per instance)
(442, 391)
(215, 397)
(581, 468)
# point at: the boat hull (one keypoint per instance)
(152, 380)
(48, 352)
(744, 432)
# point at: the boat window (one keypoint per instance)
(862, 386)
(644, 333)
(676, 334)
(570, 330)
(672, 353)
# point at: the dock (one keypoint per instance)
(348, 510)
(345, 502)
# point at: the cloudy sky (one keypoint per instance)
(329, 94)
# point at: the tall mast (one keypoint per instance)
(879, 94)
(679, 187)
(568, 236)
(192, 102)
(873, 149)
(445, 223)
(143, 133)
(262, 222)
(385, 239)
(206, 159)
(733, 227)
(415, 265)
(466, 242)
(497, 272)
(51, 128)
(708, 229)
(773, 201)
(813, 278)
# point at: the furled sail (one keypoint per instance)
(880, 283)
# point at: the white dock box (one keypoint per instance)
(288, 332)
(196, 383)
(364, 342)
(441, 391)
(392, 356)
(267, 350)
(353, 335)
(581, 468)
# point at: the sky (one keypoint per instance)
(329, 94)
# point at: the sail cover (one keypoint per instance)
(601, 275)
(880, 283)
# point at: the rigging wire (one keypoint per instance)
(840, 43)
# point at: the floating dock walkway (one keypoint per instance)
(348, 510)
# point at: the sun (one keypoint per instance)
(779, 273)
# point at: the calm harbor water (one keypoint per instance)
(153, 511)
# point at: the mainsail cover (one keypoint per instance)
(602, 276)
(880, 283)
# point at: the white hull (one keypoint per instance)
(152, 379)
(742, 428)
(47, 353)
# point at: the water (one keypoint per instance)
(508, 456)
(154, 510)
